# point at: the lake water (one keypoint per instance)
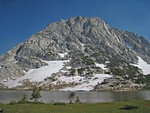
(87, 97)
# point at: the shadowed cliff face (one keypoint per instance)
(79, 36)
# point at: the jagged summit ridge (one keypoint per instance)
(66, 35)
(84, 41)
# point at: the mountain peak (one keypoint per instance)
(80, 48)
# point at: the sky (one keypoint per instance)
(19, 19)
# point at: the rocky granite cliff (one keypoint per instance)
(89, 49)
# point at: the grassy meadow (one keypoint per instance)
(139, 106)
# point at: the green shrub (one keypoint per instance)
(23, 100)
(104, 82)
(72, 72)
(12, 102)
(59, 103)
(87, 60)
(129, 107)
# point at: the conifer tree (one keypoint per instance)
(77, 99)
(35, 94)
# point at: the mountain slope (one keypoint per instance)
(86, 43)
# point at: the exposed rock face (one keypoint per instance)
(85, 40)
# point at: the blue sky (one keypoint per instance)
(19, 19)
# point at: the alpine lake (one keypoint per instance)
(86, 97)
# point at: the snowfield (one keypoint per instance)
(37, 75)
(87, 84)
(143, 65)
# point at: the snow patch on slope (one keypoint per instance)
(85, 83)
(69, 67)
(62, 55)
(37, 75)
(143, 65)
(103, 66)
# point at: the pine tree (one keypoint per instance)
(77, 99)
(35, 94)
(70, 102)
(24, 99)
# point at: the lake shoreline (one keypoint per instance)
(121, 90)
